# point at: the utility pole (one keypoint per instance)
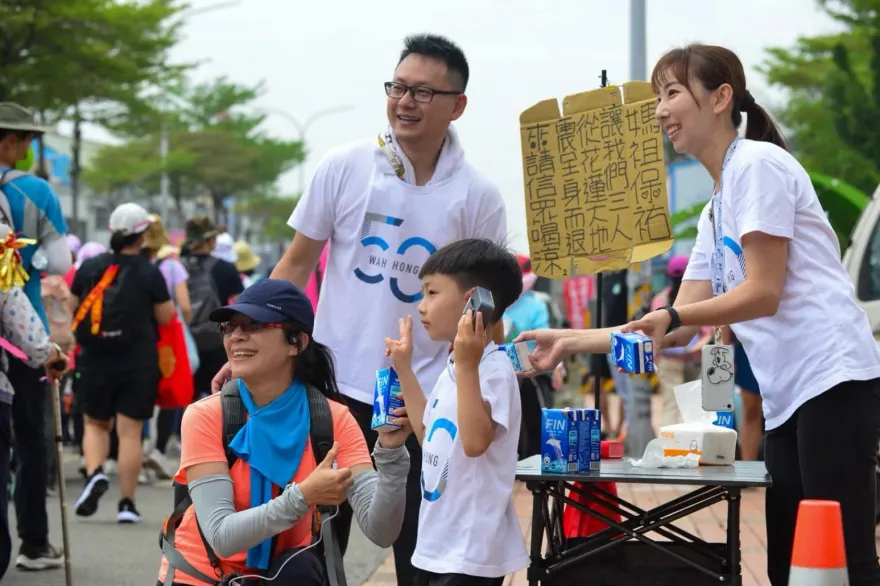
(302, 128)
(638, 43)
(75, 148)
(164, 183)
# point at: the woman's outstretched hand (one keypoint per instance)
(551, 350)
(655, 325)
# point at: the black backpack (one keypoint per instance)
(204, 298)
(234, 418)
(120, 321)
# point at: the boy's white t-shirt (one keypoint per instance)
(381, 231)
(467, 522)
(819, 337)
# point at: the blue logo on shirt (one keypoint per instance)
(431, 459)
(398, 265)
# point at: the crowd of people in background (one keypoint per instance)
(392, 237)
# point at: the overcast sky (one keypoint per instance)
(317, 55)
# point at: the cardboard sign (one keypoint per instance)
(595, 181)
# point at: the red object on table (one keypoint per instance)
(578, 524)
(612, 450)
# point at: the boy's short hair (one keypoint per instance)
(475, 262)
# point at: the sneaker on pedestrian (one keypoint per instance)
(127, 512)
(96, 486)
(144, 478)
(35, 558)
(157, 462)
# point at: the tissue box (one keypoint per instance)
(386, 396)
(518, 354)
(633, 352)
(715, 445)
(570, 440)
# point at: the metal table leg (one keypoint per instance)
(539, 509)
(734, 499)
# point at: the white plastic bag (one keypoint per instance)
(654, 458)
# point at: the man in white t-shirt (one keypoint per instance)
(469, 425)
(385, 204)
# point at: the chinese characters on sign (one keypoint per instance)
(595, 182)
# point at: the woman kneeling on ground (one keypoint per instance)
(267, 336)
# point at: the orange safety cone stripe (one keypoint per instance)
(818, 537)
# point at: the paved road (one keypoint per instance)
(104, 552)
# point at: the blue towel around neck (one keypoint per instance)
(272, 442)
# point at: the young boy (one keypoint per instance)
(469, 425)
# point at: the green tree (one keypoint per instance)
(217, 146)
(834, 94)
(271, 211)
(85, 60)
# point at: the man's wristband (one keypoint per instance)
(675, 320)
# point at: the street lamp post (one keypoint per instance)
(303, 127)
(164, 182)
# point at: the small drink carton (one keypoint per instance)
(570, 440)
(518, 354)
(633, 352)
(386, 397)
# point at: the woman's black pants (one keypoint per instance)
(827, 450)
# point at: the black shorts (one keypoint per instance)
(424, 578)
(102, 393)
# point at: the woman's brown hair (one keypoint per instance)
(711, 66)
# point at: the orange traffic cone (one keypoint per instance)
(818, 557)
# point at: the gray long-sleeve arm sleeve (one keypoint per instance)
(379, 498)
(230, 532)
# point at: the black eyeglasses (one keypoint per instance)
(227, 327)
(422, 94)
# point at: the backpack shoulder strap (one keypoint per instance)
(321, 428)
(321, 435)
(8, 176)
(234, 417)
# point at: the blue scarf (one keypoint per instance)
(272, 442)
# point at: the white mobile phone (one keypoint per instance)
(717, 372)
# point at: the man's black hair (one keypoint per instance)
(442, 49)
(474, 262)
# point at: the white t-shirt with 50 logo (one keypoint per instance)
(381, 230)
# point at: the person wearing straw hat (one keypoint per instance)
(246, 262)
(31, 209)
(213, 282)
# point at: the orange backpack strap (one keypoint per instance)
(94, 301)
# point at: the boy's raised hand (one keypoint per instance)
(401, 351)
(470, 341)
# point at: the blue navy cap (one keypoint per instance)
(271, 301)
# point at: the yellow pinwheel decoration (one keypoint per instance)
(11, 272)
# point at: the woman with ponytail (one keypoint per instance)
(767, 262)
(267, 335)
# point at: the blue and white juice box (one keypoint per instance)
(633, 352)
(386, 397)
(518, 354)
(570, 440)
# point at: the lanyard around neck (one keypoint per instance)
(715, 213)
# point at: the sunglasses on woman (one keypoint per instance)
(227, 327)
